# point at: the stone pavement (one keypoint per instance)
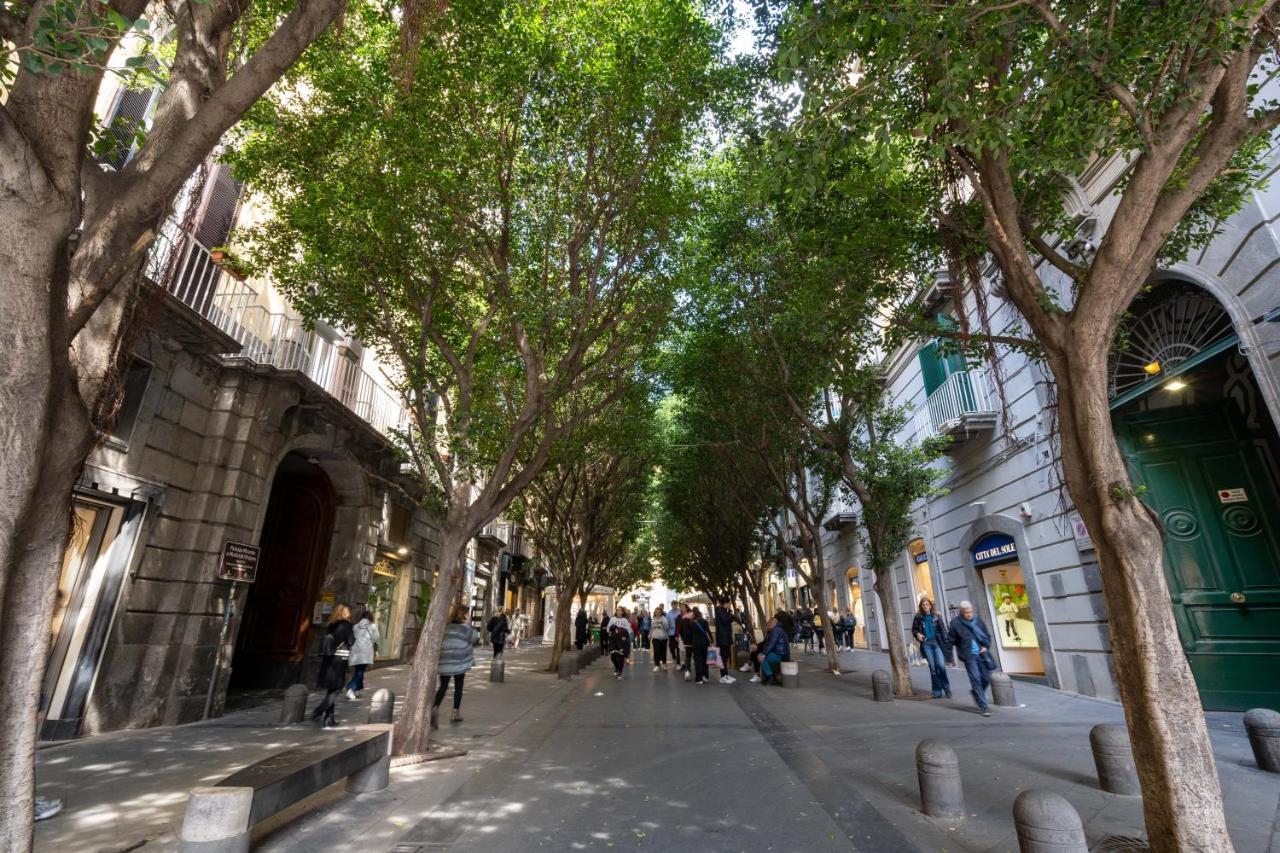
(652, 761)
(126, 791)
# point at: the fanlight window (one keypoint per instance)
(1172, 323)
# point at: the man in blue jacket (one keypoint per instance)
(972, 641)
(775, 650)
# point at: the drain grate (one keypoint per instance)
(1121, 844)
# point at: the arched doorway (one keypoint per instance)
(1192, 420)
(272, 642)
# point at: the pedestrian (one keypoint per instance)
(620, 639)
(658, 635)
(724, 639)
(367, 638)
(646, 625)
(685, 627)
(499, 627)
(698, 645)
(335, 650)
(457, 656)
(604, 632)
(775, 650)
(673, 632)
(806, 632)
(972, 641)
(931, 633)
(580, 629)
(852, 630)
(635, 630)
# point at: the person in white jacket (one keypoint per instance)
(658, 635)
(367, 637)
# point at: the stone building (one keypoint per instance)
(1195, 402)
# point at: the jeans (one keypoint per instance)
(979, 679)
(660, 652)
(644, 639)
(357, 678)
(937, 669)
(768, 665)
(444, 687)
(699, 655)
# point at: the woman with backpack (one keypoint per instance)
(366, 643)
(335, 650)
(457, 656)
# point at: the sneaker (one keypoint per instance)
(986, 712)
(619, 676)
(351, 694)
(47, 807)
(746, 667)
(700, 681)
(655, 669)
(755, 679)
(688, 676)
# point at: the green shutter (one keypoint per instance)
(932, 367)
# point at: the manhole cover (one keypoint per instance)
(1121, 844)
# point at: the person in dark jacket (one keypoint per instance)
(724, 638)
(580, 629)
(972, 640)
(335, 651)
(699, 641)
(776, 649)
(499, 629)
(931, 633)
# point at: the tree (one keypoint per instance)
(74, 235)
(584, 509)
(526, 181)
(1004, 103)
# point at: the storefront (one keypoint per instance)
(1006, 604)
(855, 605)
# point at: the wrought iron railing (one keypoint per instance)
(963, 393)
(184, 267)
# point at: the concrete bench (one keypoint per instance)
(218, 819)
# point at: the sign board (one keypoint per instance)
(1084, 541)
(239, 562)
(1232, 496)
(323, 608)
(922, 557)
(994, 548)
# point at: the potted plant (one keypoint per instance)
(218, 254)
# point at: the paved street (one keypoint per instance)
(599, 764)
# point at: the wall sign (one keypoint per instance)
(239, 562)
(1084, 541)
(994, 548)
(922, 557)
(1232, 496)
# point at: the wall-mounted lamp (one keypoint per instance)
(1152, 368)
(1174, 385)
(402, 551)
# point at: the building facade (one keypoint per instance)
(1195, 403)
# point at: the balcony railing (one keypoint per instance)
(183, 266)
(960, 407)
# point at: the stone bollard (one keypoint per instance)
(1047, 823)
(1002, 690)
(216, 820)
(295, 704)
(941, 794)
(375, 776)
(881, 686)
(1113, 756)
(498, 670)
(584, 659)
(1263, 727)
(790, 673)
(575, 663)
(564, 671)
(382, 706)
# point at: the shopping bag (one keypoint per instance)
(713, 658)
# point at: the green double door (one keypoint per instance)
(1218, 502)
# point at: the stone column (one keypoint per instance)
(1113, 756)
(881, 686)
(941, 793)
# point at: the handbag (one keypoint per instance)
(713, 658)
(989, 661)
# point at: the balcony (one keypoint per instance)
(936, 293)
(840, 521)
(184, 267)
(494, 534)
(960, 408)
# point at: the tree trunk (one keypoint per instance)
(1181, 794)
(891, 624)
(564, 605)
(413, 734)
(828, 635)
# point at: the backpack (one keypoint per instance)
(326, 645)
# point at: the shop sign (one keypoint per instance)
(324, 606)
(922, 557)
(1232, 496)
(239, 562)
(1084, 542)
(994, 548)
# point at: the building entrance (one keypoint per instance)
(272, 642)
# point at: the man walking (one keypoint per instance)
(972, 641)
(724, 638)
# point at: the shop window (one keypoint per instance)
(921, 575)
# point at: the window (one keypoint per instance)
(136, 376)
(935, 366)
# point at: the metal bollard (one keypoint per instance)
(382, 706)
(375, 776)
(790, 673)
(295, 704)
(216, 821)
(1113, 756)
(881, 686)
(1002, 690)
(941, 793)
(1263, 727)
(498, 670)
(1047, 823)
(564, 671)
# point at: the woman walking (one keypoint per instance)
(457, 656)
(620, 639)
(931, 633)
(646, 626)
(699, 644)
(658, 634)
(335, 649)
(366, 643)
(499, 627)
